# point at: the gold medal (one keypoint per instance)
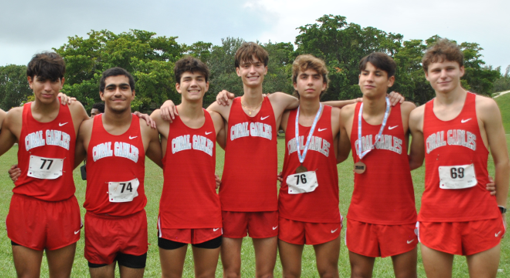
(301, 169)
(360, 167)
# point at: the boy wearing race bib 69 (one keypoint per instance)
(454, 132)
(44, 213)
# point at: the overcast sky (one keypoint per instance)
(32, 26)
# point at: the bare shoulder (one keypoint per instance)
(486, 104)
(335, 113)
(417, 113)
(407, 106)
(416, 118)
(147, 130)
(14, 115)
(282, 99)
(348, 110)
(222, 110)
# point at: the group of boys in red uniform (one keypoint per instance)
(454, 133)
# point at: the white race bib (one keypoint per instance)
(45, 168)
(123, 191)
(302, 182)
(457, 177)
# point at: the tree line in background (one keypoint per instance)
(150, 59)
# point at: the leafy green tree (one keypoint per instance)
(502, 83)
(150, 59)
(14, 88)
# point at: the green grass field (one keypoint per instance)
(504, 106)
(153, 185)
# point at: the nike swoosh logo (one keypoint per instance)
(207, 133)
(392, 127)
(214, 230)
(410, 241)
(332, 231)
(274, 228)
(322, 129)
(62, 124)
(263, 118)
(132, 137)
(465, 121)
(76, 232)
(497, 234)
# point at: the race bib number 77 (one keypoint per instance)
(457, 177)
(45, 168)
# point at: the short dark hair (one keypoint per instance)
(116, 71)
(46, 66)
(99, 106)
(381, 61)
(249, 49)
(190, 64)
(443, 49)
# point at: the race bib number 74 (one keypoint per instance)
(123, 191)
(457, 177)
(45, 168)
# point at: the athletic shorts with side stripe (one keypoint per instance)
(300, 233)
(374, 240)
(107, 236)
(461, 238)
(263, 224)
(40, 225)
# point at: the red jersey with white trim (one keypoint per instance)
(454, 143)
(189, 199)
(249, 175)
(321, 205)
(46, 156)
(384, 193)
(115, 170)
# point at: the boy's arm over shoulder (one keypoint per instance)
(344, 142)
(2, 116)
(11, 129)
(417, 149)
(219, 127)
(405, 109)
(151, 143)
(78, 114)
(488, 111)
(222, 110)
(82, 141)
(282, 101)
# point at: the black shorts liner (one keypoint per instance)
(126, 260)
(171, 245)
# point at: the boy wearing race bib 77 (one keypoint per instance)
(454, 132)
(44, 213)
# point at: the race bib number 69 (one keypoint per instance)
(457, 177)
(45, 168)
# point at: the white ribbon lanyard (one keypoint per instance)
(302, 157)
(303, 181)
(362, 153)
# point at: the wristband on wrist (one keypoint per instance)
(502, 209)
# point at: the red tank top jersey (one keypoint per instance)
(384, 193)
(189, 199)
(115, 158)
(321, 205)
(249, 174)
(43, 143)
(449, 143)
